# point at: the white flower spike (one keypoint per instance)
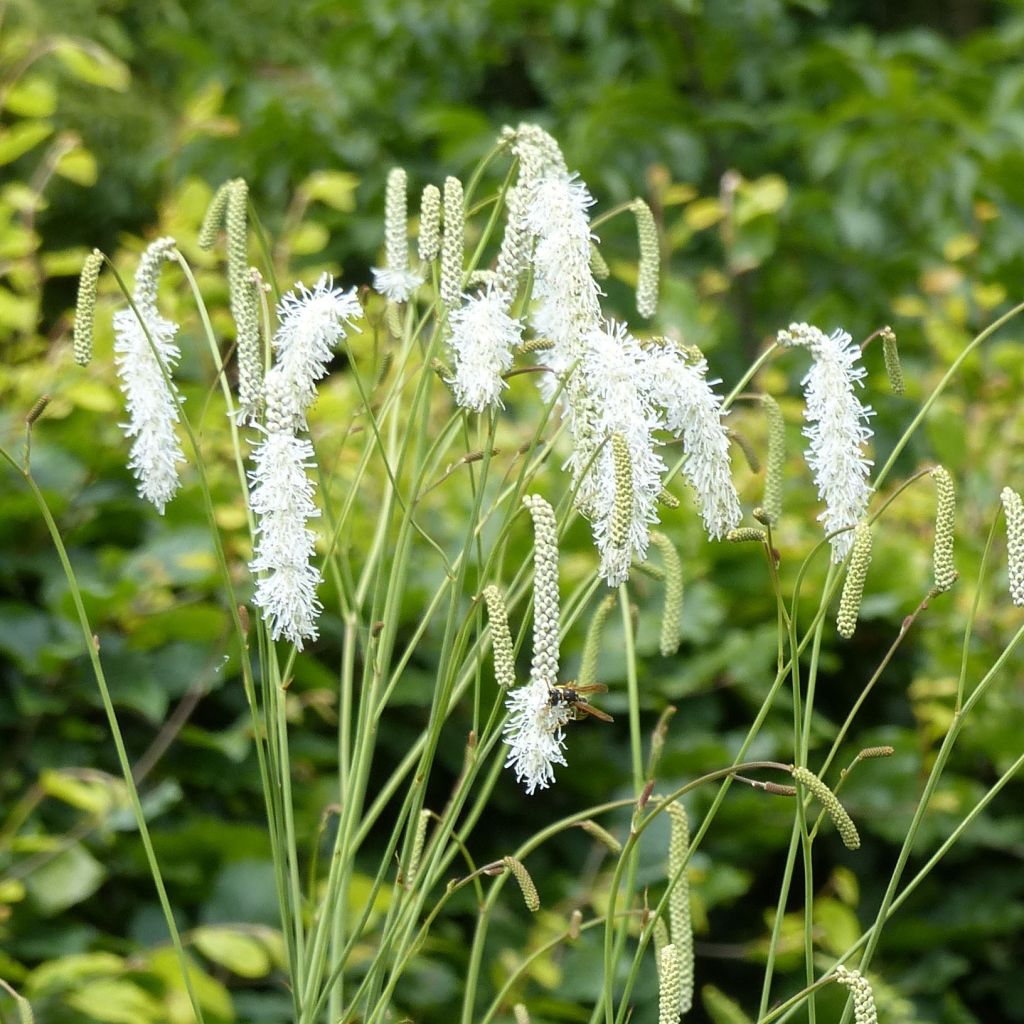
(483, 341)
(151, 399)
(838, 429)
(313, 323)
(395, 280)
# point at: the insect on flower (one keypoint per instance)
(574, 698)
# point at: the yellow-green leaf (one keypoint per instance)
(703, 213)
(115, 1001)
(90, 63)
(18, 139)
(213, 997)
(96, 796)
(79, 166)
(72, 876)
(239, 953)
(32, 96)
(335, 188)
(71, 969)
(308, 239)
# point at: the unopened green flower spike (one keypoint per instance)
(776, 459)
(598, 267)
(592, 644)
(526, 886)
(672, 610)
(213, 221)
(453, 242)
(828, 800)
(622, 515)
(679, 921)
(650, 259)
(243, 302)
(501, 638)
(1014, 510)
(546, 636)
(853, 585)
(602, 835)
(945, 524)
(670, 985)
(85, 309)
(891, 355)
(864, 1011)
(747, 535)
(429, 242)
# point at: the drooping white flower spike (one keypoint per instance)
(312, 323)
(395, 280)
(692, 411)
(837, 429)
(142, 342)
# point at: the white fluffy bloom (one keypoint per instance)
(534, 733)
(693, 412)
(612, 400)
(483, 341)
(396, 283)
(838, 429)
(312, 324)
(150, 398)
(282, 498)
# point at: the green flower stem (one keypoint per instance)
(92, 649)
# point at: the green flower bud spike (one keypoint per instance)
(650, 259)
(945, 525)
(864, 1011)
(85, 309)
(1014, 510)
(853, 585)
(213, 221)
(501, 638)
(828, 800)
(672, 609)
(587, 675)
(679, 921)
(776, 460)
(429, 242)
(453, 242)
(670, 985)
(526, 886)
(891, 355)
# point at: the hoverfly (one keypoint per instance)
(574, 698)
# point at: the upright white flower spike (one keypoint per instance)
(838, 429)
(395, 280)
(483, 341)
(534, 729)
(150, 397)
(692, 411)
(312, 324)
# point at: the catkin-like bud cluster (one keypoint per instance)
(945, 524)
(828, 800)
(85, 309)
(592, 644)
(670, 985)
(429, 242)
(672, 610)
(244, 307)
(776, 459)
(417, 846)
(453, 242)
(213, 221)
(545, 591)
(864, 1011)
(650, 259)
(891, 355)
(501, 638)
(526, 886)
(1014, 510)
(598, 267)
(679, 921)
(853, 585)
(602, 835)
(622, 513)
(747, 535)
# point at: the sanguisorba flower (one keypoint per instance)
(483, 341)
(143, 342)
(395, 280)
(312, 323)
(837, 429)
(692, 411)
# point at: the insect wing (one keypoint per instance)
(589, 709)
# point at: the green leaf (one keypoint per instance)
(20, 138)
(71, 969)
(92, 64)
(115, 1001)
(238, 952)
(72, 876)
(335, 188)
(721, 1009)
(78, 166)
(32, 96)
(96, 796)
(213, 997)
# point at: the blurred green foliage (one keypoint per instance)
(803, 163)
